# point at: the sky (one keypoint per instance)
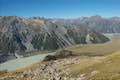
(59, 8)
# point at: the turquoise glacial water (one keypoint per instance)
(22, 62)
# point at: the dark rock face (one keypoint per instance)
(24, 34)
(49, 57)
(6, 57)
(58, 55)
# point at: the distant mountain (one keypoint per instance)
(98, 23)
(27, 34)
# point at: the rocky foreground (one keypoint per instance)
(70, 68)
(52, 70)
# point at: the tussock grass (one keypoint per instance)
(97, 49)
(105, 68)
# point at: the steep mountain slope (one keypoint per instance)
(24, 34)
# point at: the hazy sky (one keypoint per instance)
(60, 8)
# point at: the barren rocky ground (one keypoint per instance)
(53, 70)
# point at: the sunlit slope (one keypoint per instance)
(98, 49)
(102, 68)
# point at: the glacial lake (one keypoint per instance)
(15, 64)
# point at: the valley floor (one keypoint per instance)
(93, 62)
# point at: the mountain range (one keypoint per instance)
(25, 34)
(20, 35)
(59, 40)
(98, 23)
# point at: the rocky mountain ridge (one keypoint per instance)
(98, 23)
(18, 35)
